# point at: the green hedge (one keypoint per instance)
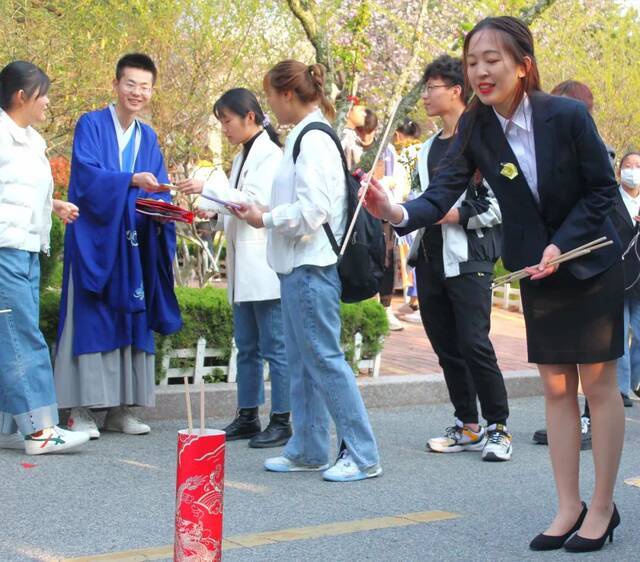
(51, 265)
(207, 314)
(499, 270)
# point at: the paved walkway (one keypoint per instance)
(408, 352)
(118, 495)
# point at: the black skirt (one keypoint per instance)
(573, 321)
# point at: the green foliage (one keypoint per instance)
(51, 266)
(206, 313)
(49, 314)
(499, 270)
(368, 318)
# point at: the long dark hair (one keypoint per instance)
(517, 41)
(241, 102)
(21, 75)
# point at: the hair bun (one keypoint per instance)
(317, 73)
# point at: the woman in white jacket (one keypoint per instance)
(28, 409)
(307, 194)
(254, 288)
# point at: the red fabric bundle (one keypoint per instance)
(164, 210)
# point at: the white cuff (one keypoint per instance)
(405, 219)
(267, 220)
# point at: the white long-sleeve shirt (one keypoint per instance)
(305, 195)
(519, 133)
(26, 188)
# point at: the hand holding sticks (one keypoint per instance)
(567, 256)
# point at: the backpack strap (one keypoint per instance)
(319, 126)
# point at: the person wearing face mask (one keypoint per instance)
(626, 219)
(253, 287)
(28, 405)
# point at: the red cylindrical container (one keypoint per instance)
(199, 491)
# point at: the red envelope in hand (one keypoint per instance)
(162, 209)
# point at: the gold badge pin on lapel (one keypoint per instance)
(509, 170)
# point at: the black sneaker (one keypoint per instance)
(628, 403)
(245, 425)
(636, 391)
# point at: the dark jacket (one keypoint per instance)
(576, 184)
(627, 230)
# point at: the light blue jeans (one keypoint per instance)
(27, 393)
(257, 329)
(323, 386)
(629, 363)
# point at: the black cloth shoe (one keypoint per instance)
(540, 437)
(551, 542)
(628, 403)
(276, 434)
(245, 425)
(580, 544)
(636, 391)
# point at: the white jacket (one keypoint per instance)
(249, 277)
(308, 193)
(455, 244)
(26, 188)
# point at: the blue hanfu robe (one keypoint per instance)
(119, 261)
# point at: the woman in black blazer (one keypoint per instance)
(550, 171)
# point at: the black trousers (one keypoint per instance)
(456, 314)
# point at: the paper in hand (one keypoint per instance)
(222, 202)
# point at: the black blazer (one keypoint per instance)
(627, 229)
(576, 184)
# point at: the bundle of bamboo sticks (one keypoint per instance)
(567, 256)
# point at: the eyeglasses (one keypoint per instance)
(132, 87)
(428, 90)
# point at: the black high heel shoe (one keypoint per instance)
(580, 544)
(550, 542)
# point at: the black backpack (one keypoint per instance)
(362, 265)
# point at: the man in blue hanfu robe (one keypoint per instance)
(118, 279)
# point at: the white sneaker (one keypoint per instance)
(346, 470)
(458, 438)
(121, 419)
(394, 323)
(54, 440)
(283, 464)
(414, 317)
(12, 440)
(80, 419)
(498, 447)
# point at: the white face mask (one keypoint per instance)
(630, 177)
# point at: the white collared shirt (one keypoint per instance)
(631, 203)
(26, 188)
(125, 136)
(519, 133)
(305, 195)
